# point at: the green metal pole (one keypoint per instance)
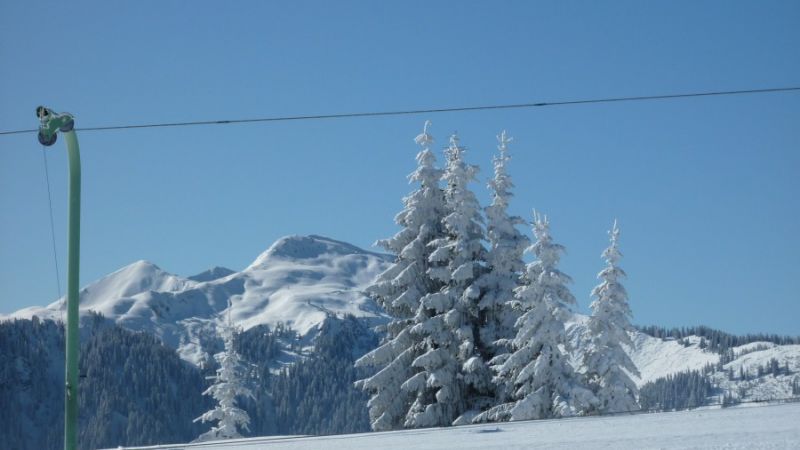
(73, 268)
(50, 123)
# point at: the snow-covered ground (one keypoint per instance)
(764, 427)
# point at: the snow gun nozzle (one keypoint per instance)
(50, 122)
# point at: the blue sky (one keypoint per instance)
(705, 189)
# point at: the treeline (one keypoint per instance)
(261, 346)
(316, 395)
(716, 340)
(32, 384)
(136, 391)
(682, 390)
(133, 390)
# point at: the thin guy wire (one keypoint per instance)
(424, 111)
(52, 222)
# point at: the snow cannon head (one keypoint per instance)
(50, 122)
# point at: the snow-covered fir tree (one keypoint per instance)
(399, 290)
(455, 382)
(538, 371)
(605, 360)
(504, 259)
(229, 382)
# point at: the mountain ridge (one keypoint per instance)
(297, 281)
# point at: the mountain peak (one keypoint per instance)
(313, 246)
(141, 263)
(139, 269)
(211, 274)
(137, 277)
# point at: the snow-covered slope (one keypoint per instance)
(112, 294)
(767, 386)
(656, 358)
(772, 427)
(299, 281)
(211, 274)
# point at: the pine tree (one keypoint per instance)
(399, 290)
(505, 264)
(455, 381)
(605, 360)
(543, 383)
(229, 382)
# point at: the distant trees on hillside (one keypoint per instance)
(717, 341)
(136, 391)
(679, 391)
(32, 384)
(317, 395)
(133, 390)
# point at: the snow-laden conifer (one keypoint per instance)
(454, 381)
(229, 382)
(399, 290)
(605, 360)
(538, 371)
(504, 259)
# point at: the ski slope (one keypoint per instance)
(761, 427)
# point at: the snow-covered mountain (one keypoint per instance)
(298, 281)
(302, 280)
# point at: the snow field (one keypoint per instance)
(767, 427)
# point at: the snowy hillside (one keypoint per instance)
(771, 427)
(764, 387)
(656, 358)
(298, 281)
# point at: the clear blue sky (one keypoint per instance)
(705, 189)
